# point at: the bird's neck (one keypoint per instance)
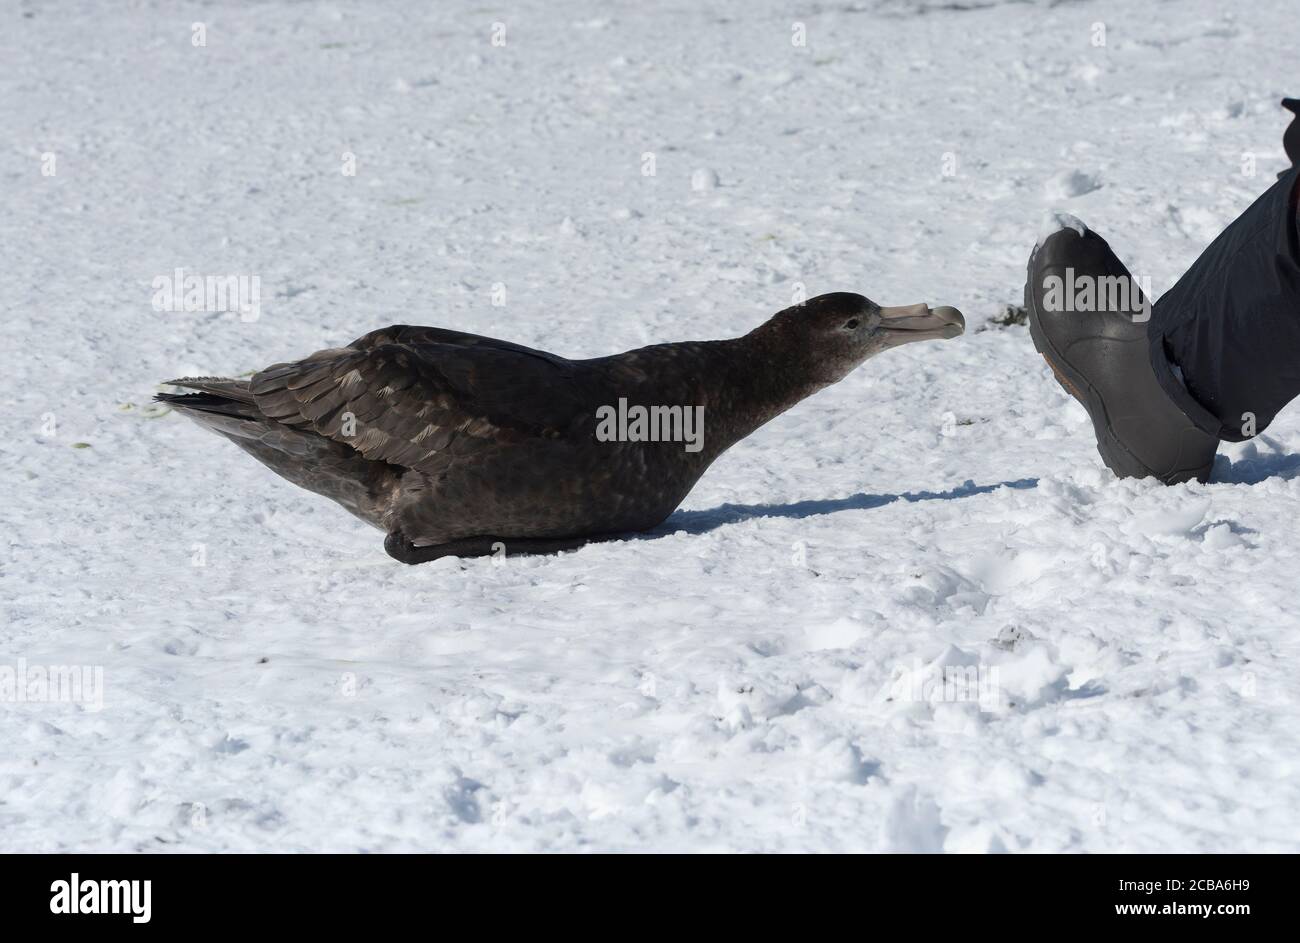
(752, 380)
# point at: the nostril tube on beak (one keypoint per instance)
(908, 323)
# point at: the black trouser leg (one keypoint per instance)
(1231, 324)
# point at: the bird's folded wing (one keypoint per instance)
(421, 405)
(418, 335)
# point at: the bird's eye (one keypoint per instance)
(851, 324)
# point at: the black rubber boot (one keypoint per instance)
(1088, 319)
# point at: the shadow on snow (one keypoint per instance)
(701, 522)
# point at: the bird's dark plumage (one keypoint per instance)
(456, 444)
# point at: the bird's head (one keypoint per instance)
(835, 333)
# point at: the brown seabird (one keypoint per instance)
(460, 445)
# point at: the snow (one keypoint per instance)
(1070, 183)
(1056, 220)
(770, 670)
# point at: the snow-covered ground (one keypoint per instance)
(757, 675)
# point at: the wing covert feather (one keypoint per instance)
(419, 397)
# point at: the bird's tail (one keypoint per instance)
(311, 461)
(217, 398)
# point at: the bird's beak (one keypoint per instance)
(909, 323)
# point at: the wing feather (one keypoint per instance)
(416, 397)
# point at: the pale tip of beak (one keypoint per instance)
(954, 324)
